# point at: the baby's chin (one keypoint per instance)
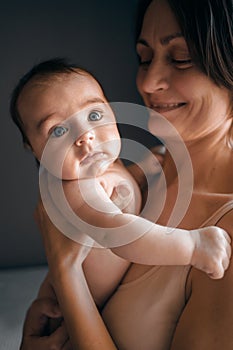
(94, 170)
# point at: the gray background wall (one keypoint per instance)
(98, 35)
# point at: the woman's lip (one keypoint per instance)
(166, 107)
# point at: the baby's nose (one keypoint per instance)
(86, 138)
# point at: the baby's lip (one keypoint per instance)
(92, 156)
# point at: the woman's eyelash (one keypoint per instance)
(187, 61)
(145, 62)
(142, 61)
(177, 62)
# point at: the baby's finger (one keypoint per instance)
(225, 263)
(227, 237)
(228, 251)
(217, 274)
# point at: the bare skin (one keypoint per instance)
(206, 320)
(56, 117)
(204, 123)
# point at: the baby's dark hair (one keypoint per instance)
(43, 70)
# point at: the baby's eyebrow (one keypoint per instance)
(44, 120)
(83, 105)
(92, 101)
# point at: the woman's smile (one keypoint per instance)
(166, 107)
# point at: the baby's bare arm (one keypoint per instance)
(141, 241)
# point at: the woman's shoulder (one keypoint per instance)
(226, 219)
(209, 301)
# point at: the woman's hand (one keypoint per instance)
(35, 335)
(60, 250)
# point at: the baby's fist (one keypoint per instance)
(212, 251)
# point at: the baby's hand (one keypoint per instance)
(212, 251)
(122, 197)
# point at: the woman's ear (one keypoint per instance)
(28, 147)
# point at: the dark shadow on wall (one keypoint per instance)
(98, 35)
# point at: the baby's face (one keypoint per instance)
(70, 126)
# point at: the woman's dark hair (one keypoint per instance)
(207, 26)
(43, 70)
(141, 9)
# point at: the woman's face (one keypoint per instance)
(169, 81)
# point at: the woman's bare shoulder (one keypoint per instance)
(226, 222)
(209, 308)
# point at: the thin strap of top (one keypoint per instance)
(218, 214)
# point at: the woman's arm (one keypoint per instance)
(84, 323)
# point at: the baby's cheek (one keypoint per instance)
(70, 168)
(54, 158)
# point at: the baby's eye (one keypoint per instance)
(58, 131)
(95, 116)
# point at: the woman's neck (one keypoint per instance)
(212, 163)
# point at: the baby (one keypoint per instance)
(67, 123)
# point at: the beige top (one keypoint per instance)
(142, 314)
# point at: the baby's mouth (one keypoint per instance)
(92, 157)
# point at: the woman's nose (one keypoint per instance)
(85, 139)
(155, 78)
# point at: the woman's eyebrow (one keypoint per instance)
(164, 40)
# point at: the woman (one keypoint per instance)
(185, 74)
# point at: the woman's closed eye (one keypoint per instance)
(145, 56)
(59, 131)
(144, 63)
(182, 63)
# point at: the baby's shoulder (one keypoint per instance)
(117, 174)
(117, 179)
